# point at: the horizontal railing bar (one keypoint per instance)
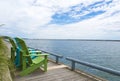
(53, 54)
(101, 68)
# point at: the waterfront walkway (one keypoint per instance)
(57, 72)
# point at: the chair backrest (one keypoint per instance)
(11, 41)
(21, 44)
(13, 48)
(23, 47)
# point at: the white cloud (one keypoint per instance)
(31, 20)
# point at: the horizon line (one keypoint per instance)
(75, 39)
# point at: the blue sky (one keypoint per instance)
(61, 19)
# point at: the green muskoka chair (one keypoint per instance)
(14, 52)
(29, 64)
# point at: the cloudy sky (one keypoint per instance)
(60, 19)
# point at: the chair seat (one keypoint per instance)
(37, 60)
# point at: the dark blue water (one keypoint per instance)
(104, 53)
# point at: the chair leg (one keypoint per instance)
(45, 64)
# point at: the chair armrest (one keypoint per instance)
(36, 52)
(39, 54)
(36, 55)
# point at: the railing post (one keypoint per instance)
(73, 65)
(57, 59)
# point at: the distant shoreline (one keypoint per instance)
(74, 39)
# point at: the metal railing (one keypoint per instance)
(74, 61)
(101, 68)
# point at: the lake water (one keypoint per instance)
(104, 53)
